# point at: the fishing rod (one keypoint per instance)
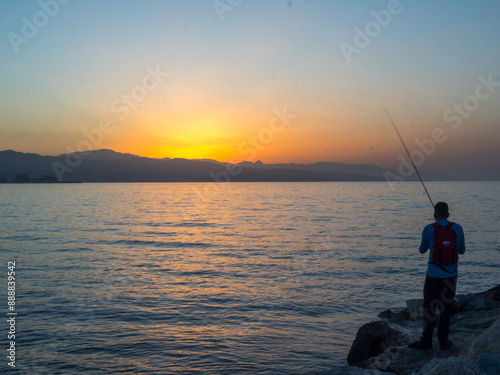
(411, 159)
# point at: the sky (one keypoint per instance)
(279, 81)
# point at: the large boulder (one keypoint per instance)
(486, 342)
(492, 294)
(415, 308)
(472, 302)
(489, 364)
(351, 370)
(398, 315)
(374, 337)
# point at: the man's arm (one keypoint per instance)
(424, 242)
(460, 238)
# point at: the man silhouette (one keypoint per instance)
(440, 282)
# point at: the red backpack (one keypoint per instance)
(445, 250)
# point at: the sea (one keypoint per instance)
(219, 278)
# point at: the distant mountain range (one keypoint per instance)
(111, 166)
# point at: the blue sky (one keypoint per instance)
(228, 73)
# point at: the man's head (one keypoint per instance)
(441, 211)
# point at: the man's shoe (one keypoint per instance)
(420, 344)
(446, 345)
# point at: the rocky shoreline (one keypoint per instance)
(381, 346)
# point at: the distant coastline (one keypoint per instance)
(22, 178)
(110, 166)
(39, 182)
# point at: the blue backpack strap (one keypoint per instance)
(450, 224)
(436, 228)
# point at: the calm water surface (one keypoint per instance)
(243, 278)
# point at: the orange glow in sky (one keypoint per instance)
(177, 81)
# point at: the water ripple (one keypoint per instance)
(265, 279)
